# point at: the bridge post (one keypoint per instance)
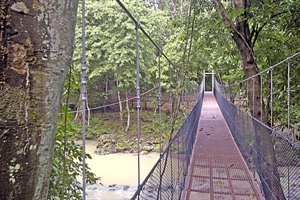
(204, 80)
(212, 80)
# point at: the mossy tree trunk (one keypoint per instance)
(36, 44)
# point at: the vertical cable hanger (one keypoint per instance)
(253, 96)
(261, 97)
(288, 108)
(289, 97)
(159, 101)
(83, 98)
(171, 101)
(138, 98)
(159, 120)
(271, 98)
(171, 125)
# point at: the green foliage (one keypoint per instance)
(67, 164)
(111, 41)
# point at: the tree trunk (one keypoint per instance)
(88, 110)
(128, 114)
(120, 105)
(112, 97)
(106, 94)
(268, 168)
(78, 115)
(36, 45)
(242, 37)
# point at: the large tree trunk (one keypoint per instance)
(242, 37)
(36, 43)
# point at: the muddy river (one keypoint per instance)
(118, 173)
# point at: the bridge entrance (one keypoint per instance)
(208, 81)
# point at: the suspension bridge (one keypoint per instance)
(216, 155)
(221, 151)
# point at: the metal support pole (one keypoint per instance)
(271, 103)
(288, 100)
(261, 97)
(171, 128)
(253, 98)
(171, 99)
(204, 80)
(138, 99)
(213, 80)
(288, 105)
(159, 101)
(160, 128)
(83, 99)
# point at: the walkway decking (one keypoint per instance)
(217, 170)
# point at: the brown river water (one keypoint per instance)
(118, 169)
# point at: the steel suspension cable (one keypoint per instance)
(116, 103)
(160, 131)
(271, 100)
(138, 98)
(261, 97)
(289, 97)
(171, 124)
(143, 31)
(182, 84)
(83, 98)
(269, 68)
(288, 109)
(171, 101)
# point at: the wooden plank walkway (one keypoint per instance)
(217, 170)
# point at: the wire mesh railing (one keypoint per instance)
(167, 178)
(275, 167)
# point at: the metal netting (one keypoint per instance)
(166, 180)
(278, 181)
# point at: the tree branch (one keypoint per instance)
(228, 22)
(258, 30)
(224, 15)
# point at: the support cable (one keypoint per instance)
(289, 96)
(271, 103)
(171, 124)
(160, 131)
(269, 68)
(138, 99)
(159, 102)
(288, 108)
(261, 97)
(253, 96)
(284, 137)
(143, 31)
(83, 98)
(116, 103)
(171, 101)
